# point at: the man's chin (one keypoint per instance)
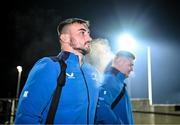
(83, 51)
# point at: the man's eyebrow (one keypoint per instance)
(83, 29)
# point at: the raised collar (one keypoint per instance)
(68, 56)
(115, 72)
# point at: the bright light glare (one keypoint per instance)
(127, 42)
(19, 68)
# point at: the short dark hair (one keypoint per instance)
(127, 54)
(70, 21)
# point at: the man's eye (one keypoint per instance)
(82, 32)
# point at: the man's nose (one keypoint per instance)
(88, 37)
(132, 69)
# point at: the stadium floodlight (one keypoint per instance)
(126, 42)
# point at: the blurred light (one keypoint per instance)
(19, 68)
(126, 42)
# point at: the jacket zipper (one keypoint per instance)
(87, 94)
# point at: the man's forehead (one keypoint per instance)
(126, 58)
(75, 27)
(79, 26)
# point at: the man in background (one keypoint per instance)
(114, 105)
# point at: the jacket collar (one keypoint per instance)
(68, 56)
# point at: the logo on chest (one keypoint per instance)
(70, 75)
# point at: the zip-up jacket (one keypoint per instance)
(110, 90)
(78, 98)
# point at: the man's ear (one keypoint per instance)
(65, 38)
(118, 61)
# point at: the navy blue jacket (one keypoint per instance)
(78, 98)
(109, 91)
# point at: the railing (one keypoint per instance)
(7, 110)
(143, 112)
(155, 114)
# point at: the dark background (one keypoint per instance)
(28, 30)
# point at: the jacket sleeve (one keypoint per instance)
(37, 91)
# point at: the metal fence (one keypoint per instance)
(7, 110)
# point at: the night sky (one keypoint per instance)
(30, 28)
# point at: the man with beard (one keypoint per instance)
(78, 94)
